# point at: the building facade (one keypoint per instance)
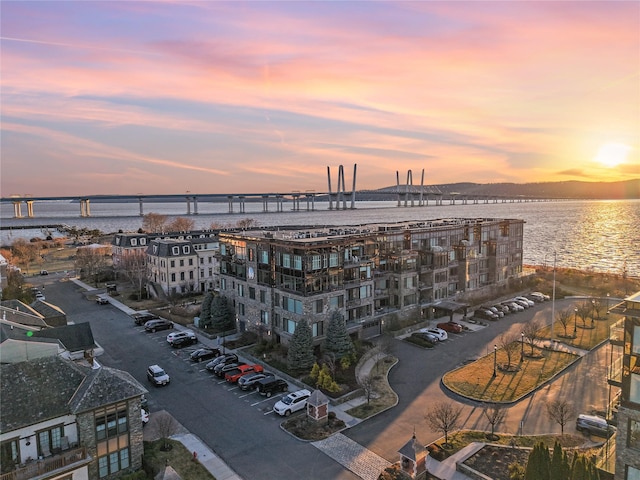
(627, 377)
(370, 273)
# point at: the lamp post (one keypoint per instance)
(553, 297)
(522, 347)
(495, 360)
(607, 303)
(593, 312)
(575, 321)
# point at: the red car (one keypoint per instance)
(452, 327)
(234, 375)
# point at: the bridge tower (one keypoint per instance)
(340, 195)
(409, 192)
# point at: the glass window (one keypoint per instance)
(297, 262)
(175, 250)
(634, 434)
(333, 259)
(632, 473)
(634, 388)
(635, 344)
(316, 262)
(103, 467)
(286, 260)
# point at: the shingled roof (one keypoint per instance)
(75, 337)
(50, 387)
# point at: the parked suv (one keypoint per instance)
(157, 376)
(292, 403)
(222, 369)
(173, 336)
(142, 318)
(222, 359)
(159, 324)
(594, 425)
(271, 385)
(250, 382)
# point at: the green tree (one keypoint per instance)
(559, 469)
(538, 463)
(223, 317)
(300, 356)
(338, 340)
(205, 311)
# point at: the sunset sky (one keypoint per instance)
(254, 97)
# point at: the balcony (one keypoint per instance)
(616, 333)
(51, 466)
(615, 373)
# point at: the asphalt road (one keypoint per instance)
(240, 429)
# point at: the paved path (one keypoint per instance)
(353, 456)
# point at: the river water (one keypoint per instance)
(588, 235)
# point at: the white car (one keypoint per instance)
(425, 333)
(531, 303)
(40, 296)
(184, 334)
(542, 296)
(440, 334)
(513, 306)
(292, 403)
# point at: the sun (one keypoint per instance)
(612, 154)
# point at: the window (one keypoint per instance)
(182, 262)
(289, 325)
(175, 250)
(635, 344)
(333, 259)
(317, 329)
(297, 262)
(633, 440)
(264, 317)
(632, 473)
(252, 293)
(191, 275)
(10, 450)
(318, 306)
(634, 388)
(286, 260)
(336, 302)
(173, 264)
(173, 277)
(143, 241)
(263, 296)
(49, 440)
(263, 256)
(112, 435)
(191, 262)
(134, 242)
(185, 249)
(181, 276)
(316, 262)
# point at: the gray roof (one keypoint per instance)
(47, 309)
(163, 248)
(50, 387)
(18, 312)
(75, 337)
(413, 449)
(19, 332)
(317, 398)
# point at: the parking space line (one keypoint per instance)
(265, 400)
(269, 412)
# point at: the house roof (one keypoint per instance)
(17, 312)
(317, 398)
(413, 449)
(75, 337)
(46, 309)
(165, 248)
(50, 387)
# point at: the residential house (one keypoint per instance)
(173, 266)
(62, 420)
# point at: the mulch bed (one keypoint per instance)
(494, 461)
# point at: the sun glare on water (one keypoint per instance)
(612, 154)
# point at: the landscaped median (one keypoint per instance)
(477, 381)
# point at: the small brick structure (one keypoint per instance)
(413, 458)
(318, 406)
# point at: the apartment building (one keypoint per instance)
(370, 273)
(60, 420)
(626, 375)
(204, 244)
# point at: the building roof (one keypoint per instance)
(171, 248)
(75, 337)
(17, 312)
(38, 390)
(47, 309)
(413, 449)
(317, 399)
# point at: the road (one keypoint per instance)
(240, 429)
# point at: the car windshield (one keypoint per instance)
(287, 400)
(159, 373)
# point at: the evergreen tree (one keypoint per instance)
(578, 469)
(300, 356)
(223, 317)
(559, 469)
(337, 340)
(538, 463)
(205, 312)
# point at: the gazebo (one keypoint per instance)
(318, 405)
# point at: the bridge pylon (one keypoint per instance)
(340, 195)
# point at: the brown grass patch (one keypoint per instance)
(383, 397)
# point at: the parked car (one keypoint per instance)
(204, 354)
(440, 334)
(145, 416)
(222, 359)
(501, 308)
(425, 334)
(539, 295)
(40, 296)
(222, 369)
(485, 314)
(270, 385)
(293, 402)
(181, 342)
(157, 376)
(44, 272)
(144, 317)
(102, 301)
(452, 327)
(173, 336)
(524, 305)
(493, 309)
(531, 303)
(594, 425)
(513, 306)
(158, 324)
(232, 376)
(250, 382)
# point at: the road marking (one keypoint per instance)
(269, 412)
(266, 400)
(246, 394)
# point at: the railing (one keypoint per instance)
(36, 468)
(615, 372)
(616, 333)
(606, 456)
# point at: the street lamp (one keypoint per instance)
(607, 303)
(495, 360)
(553, 297)
(522, 347)
(593, 312)
(575, 321)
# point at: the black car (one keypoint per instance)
(204, 354)
(183, 342)
(223, 368)
(158, 324)
(270, 385)
(222, 359)
(142, 318)
(250, 382)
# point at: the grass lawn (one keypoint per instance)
(585, 338)
(383, 396)
(178, 457)
(476, 380)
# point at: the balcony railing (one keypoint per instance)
(57, 464)
(606, 456)
(615, 373)
(616, 333)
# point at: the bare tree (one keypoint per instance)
(246, 223)
(495, 415)
(91, 261)
(166, 426)
(583, 310)
(154, 222)
(564, 318)
(25, 253)
(181, 224)
(561, 411)
(531, 332)
(133, 266)
(443, 417)
(367, 383)
(509, 343)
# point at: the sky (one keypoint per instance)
(167, 97)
